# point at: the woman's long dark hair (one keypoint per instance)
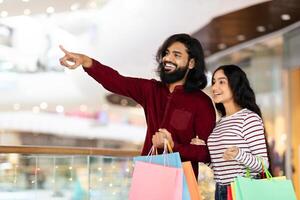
(243, 94)
(196, 78)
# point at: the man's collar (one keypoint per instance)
(177, 88)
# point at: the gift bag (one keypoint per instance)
(277, 188)
(233, 191)
(229, 193)
(155, 182)
(264, 189)
(169, 159)
(191, 181)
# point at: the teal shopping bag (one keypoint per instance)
(264, 189)
(271, 188)
(171, 160)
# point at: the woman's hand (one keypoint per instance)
(159, 137)
(75, 58)
(230, 153)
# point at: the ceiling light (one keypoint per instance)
(222, 46)
(25, 0)
(59, 109)
(240, 37)
(285, 17)
(50, 10)
(27, 12)
(1, 1)
(74, 6)
(261, 29)
(4, 13)
(43, 105)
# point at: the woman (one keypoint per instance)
(238, 140)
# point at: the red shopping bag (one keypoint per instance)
(156, 182)
(229, 193)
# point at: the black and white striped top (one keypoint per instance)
(245, 130)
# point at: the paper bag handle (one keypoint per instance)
(264, 169)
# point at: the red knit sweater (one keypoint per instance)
(183, 114)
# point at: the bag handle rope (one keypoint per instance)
(264, 169)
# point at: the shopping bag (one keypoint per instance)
(169, 159)
(264, 189)
(191, 181)
(155, 182)
(233, 193)
(277, 188)
(229, 193)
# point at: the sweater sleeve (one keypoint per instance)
(253, 132)
(204, 123)
(111, 80)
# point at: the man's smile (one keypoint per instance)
(169, 67)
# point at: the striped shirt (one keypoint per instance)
(245, 130)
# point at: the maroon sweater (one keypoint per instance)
(183, 114)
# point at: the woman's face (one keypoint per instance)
(221, 91)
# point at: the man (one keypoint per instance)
(175, 107)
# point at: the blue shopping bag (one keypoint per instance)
(167, 159)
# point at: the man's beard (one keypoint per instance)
(172, 77)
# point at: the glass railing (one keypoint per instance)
(29, 173)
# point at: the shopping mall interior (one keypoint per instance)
(63, 136)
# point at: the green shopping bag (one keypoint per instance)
(264, 189)
(277, 188)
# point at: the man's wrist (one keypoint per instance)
(172, 144)
(87, 62)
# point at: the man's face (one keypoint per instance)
(175, 63)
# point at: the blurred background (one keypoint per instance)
(42, 104)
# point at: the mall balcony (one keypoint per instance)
(65, 173)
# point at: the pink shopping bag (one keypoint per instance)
(156, 182)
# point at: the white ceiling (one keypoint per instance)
(17, 7)
(123, 34)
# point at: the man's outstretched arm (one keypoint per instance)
(109, 78)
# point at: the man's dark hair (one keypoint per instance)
(196, 78)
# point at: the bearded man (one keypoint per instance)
(175, 108)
